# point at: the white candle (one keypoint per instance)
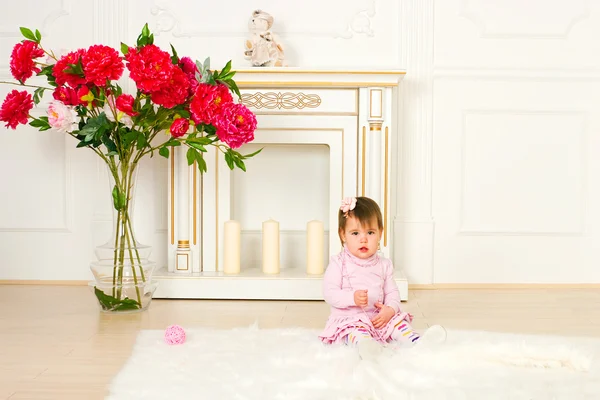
(270, 247)
(231, 247)
(315, 235)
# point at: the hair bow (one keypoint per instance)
(348, 204)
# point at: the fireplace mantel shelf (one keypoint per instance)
(351, 112)
(324, 78)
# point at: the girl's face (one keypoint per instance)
(362, 240)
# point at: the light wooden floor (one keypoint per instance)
(55, 344)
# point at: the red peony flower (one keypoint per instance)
(102, 63)
(15, 109)
(22, 66)
(235, 125)
(179, 127)
(149, 67)
(207, 102)
(66, 95)
(176, 92)
(59, 70)
(124, 103)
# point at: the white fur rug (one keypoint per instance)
(252, 363)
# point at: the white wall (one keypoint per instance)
(496, 179)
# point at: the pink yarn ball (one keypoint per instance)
(174, 335)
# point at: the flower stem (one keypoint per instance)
(22, 84)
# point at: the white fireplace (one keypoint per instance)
(325, 135)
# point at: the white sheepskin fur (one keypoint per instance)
(291, 364)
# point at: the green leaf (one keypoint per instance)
(229, 160)
(28, 34)
(124, 49)
(234, 87)
(38, 36)
(145, 30)
(191, 155)
(141, 141)
(201, 164)
(164, 151)
(75, 69)
(41, 123)
(110, 303)
(253, 154)
(227, 68)
(110, 144)
(119, 198)
(240, 164)
(175, 58)
(199, 140)
(38, 94)
(197, 146)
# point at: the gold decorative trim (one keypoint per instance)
(508, 286)
(375, 126)
(302, 84)
(187, 262)
(317, 71)
(195, 202)
(279, 100)
(385, 189)
(216, 210)
(183, 244)
(371, 103)
(173, 196)
(364, 157)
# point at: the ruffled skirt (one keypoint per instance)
(338, 327)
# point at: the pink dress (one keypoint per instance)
(344, 275)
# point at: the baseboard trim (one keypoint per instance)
(492, 286)
(42, 282)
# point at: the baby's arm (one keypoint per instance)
(391, 294)
(333, 293)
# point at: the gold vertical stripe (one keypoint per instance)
(194, 212)
(364, 156)
(385, 189)
(173, 196)
(217, 211)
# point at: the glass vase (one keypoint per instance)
(123, 272)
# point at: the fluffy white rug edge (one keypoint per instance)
(290, 363)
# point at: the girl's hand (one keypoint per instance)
(383, 317)
(361, 298)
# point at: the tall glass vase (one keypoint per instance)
(123, 272)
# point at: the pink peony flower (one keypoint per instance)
(150, 67)
(208, 101)
(62, 65)
(235, 125)
(125, 104)
(61, 117)
(100, 64)
(22, 66)
(15, 108)
(175, 93)
(179, 127)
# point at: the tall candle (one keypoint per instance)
(315, 235)
(270, 247)
(231, 247)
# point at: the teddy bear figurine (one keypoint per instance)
(262, 48)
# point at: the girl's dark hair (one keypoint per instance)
(365, 211)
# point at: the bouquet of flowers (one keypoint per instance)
(177, 102)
